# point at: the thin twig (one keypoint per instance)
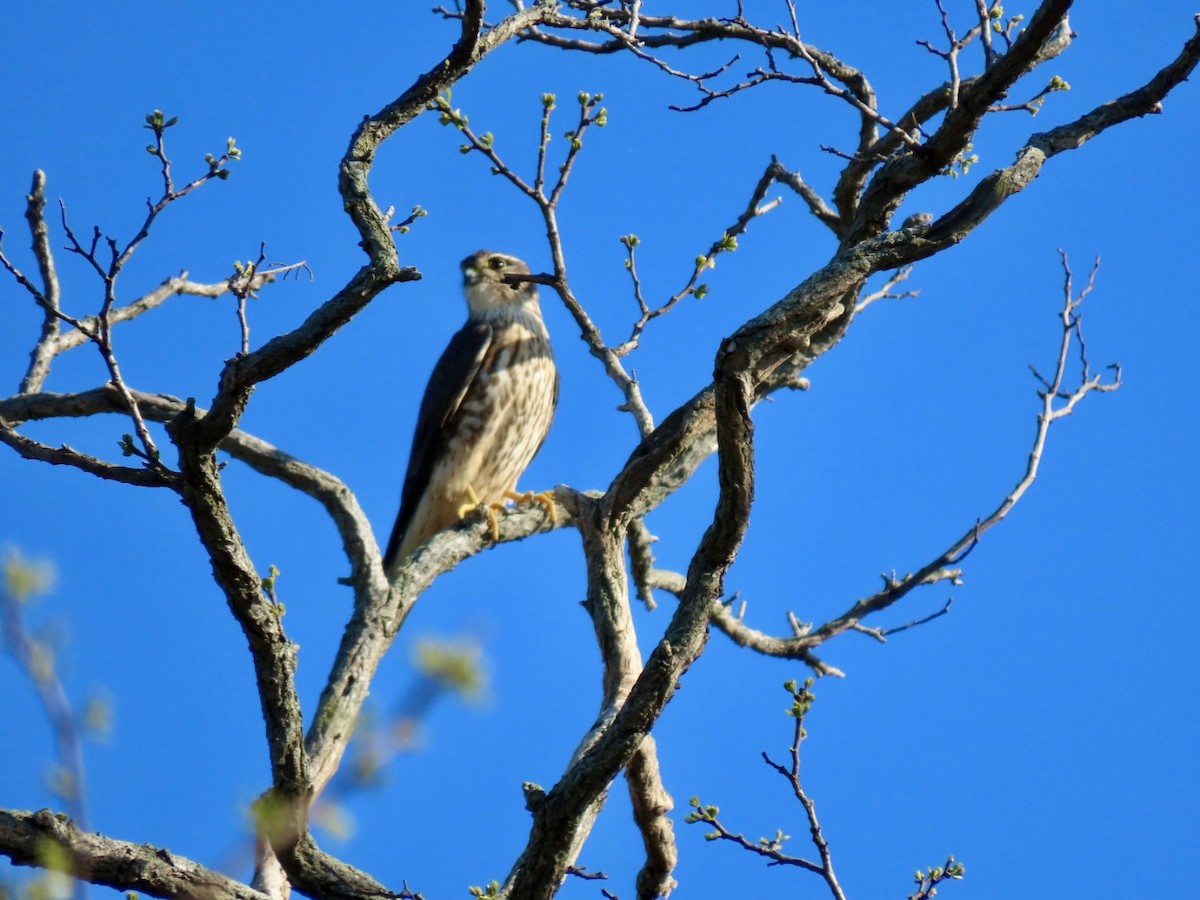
(882, 634)
(772, 848)
(110, 270)
(755, 207)
(810, 807)
(547, 202)
(985, 33)
(1057, 402)
(21, 581)
(68, 456)
(886, 291)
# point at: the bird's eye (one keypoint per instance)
(497, 263)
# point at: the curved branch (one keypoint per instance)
(68, 456)
(315, 873)
(651, 803)
(473, 45)
(379, 612)
(118, 864)
(816, 203)
(941, 567)
(48, 296)
(333, 494)
(607, 603)
(547, 853)
(739, 632)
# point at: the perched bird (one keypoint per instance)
(487, 407)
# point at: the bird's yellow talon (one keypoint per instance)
(473, 502)
(545, 499)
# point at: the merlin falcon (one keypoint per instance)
(487, 407)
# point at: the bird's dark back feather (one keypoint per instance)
(453, 374)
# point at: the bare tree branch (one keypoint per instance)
(772, 848)
(273, 654)
(812, 317)
(816, 204)
(317, 874)
(26, 839)
(882, 634)
(68, 456)
(570, 805)
(755, 207)
(802, 700)
(574, 811)
(734, 627)
(48, 296)
(997, 187)
(651, 803)
(905, 170)
(1057, 402)
(887, 292)
(378, 611)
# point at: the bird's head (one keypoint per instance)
(487, 287)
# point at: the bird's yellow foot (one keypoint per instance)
(473, 502)
(544, 498)
(493, 509)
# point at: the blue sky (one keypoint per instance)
(1042, 732)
